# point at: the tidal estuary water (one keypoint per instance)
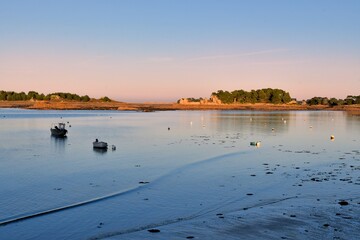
(180, 175)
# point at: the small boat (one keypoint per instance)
(102, 145)
(58, 130)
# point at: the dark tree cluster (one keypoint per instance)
(22, 96)
(105, 99)
(194, 99)
(349, 100)
(265, 95)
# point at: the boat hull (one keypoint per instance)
(100, 145)
(58, 132)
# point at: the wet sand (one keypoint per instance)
(264, 197)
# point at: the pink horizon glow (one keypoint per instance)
(168, 79)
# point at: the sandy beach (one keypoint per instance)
(148, 107)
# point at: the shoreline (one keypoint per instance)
(150, 107)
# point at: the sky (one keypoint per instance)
(163, 50)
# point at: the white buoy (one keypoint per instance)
(257, 144)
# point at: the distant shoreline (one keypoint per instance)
(149, 107)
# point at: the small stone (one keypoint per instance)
(142, 182)
(343, 203)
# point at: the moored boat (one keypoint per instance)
(100, 144)
(58, 130)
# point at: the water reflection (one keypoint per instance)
(58, 142)
(253, 121)
(100, 151)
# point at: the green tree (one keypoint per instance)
(286, 97)
(224, 96)
(32, 94)
(276, 96)
(261, 96)
(105, 99)
(357, 99)
(2, 95)
(333, 102)
(85, 98)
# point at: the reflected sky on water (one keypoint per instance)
(35, 165)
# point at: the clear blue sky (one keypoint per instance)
(163, 50)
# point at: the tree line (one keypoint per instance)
(349, 100)
(265, 95)
(275, 96)
(22, 96)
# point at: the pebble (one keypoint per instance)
(143, 182)
(343, 203)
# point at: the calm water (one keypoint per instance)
(40, 172)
